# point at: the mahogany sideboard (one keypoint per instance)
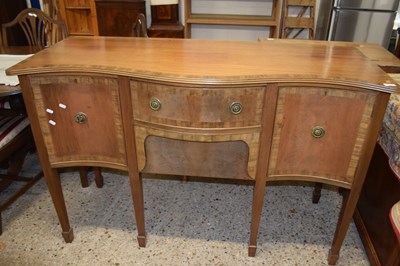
(261, 111)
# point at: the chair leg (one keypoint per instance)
(15, 163)
(17, 194)
(17, 150)
(317, 193)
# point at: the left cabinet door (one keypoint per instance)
(80, 119)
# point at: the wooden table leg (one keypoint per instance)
(345, 217)
(262, 166)
(55, 189)
(83, 174)
(98, 178)
(138, 203)
(258, 202)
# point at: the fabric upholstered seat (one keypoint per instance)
(12, 122)
(10, 127)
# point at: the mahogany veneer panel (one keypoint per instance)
(199, 107)
(226, 159)
(343, 114)
(68, 141)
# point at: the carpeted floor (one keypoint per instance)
(192, 223)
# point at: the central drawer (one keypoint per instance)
(197, 107)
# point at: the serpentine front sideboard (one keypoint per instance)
(261, 111)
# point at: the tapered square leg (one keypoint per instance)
(141, 241)
(252, 251)
(332, 258)
(68, 236)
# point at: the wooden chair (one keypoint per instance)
(40, 30)
(139, 27)
(16, 141)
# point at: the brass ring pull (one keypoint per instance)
(236, 108)
(318, 132)
(155, 104)
(81, 118)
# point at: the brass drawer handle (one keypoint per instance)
(81, 118)
(155, 104)
(318, 132)
(236, 108)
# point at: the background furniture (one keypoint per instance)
(165, 21)
(40, 30)
(380, 192)
(293, 26)
(16, 142)
(8, 11)
(16, 138)
(271, 21)
(116, 17)
(80, 16)
(139, 28)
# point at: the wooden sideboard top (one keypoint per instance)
(210, 62)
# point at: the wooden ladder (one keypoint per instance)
(292, 26)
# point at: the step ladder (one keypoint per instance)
(293, 25)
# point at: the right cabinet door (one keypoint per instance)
(319, 133)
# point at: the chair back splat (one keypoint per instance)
(139, 27)
(40, 29)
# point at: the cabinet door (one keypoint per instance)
(80, 118)
(319, 133)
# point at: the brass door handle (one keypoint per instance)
(236, 108)
(81, 118)
(155, 104)
(318, 132)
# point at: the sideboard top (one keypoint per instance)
(209, 62)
